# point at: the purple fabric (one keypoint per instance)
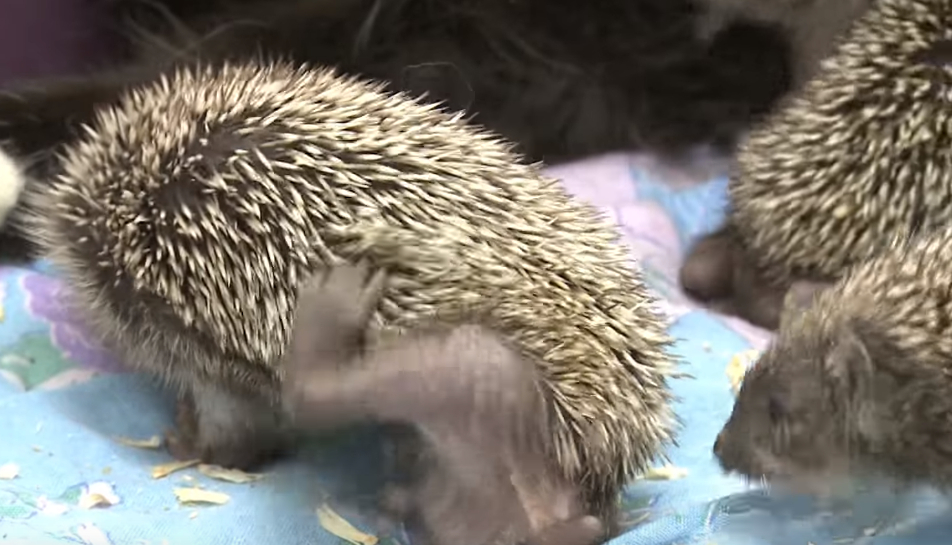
(44, 300)
(47, 37)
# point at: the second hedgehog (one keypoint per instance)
(859, 155)
(192, 212)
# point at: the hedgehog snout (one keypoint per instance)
(724, 455)
(719, 445)
(731, 458)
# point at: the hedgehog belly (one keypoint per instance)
(193, 211)
(860, 155)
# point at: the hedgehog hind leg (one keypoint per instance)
(225, 428)
(470, 492)
(721, 274)
(708, 270)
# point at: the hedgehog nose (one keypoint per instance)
(719, 445)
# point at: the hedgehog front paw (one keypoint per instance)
(349, 294)
(180, 441)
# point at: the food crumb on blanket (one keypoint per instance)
(666, 472)
(98, 494)
(199, 495)
(337, 525)
(153, 442)
(164, 470)
(737, 367)
(228, 475)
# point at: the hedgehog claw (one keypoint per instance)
(180, 441)
(350, 293)
(180, 448)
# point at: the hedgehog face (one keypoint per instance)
(795, 419)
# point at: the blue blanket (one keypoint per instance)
(66, 406)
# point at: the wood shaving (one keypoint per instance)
(99, 494)
(9, 471)
(197, 495)
(228, 475)
(337, 525)
(153, 442)
(164, 470)
(666, 472)
(737, 367)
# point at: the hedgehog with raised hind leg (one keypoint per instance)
(191, 213)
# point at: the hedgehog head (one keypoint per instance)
(819, 407)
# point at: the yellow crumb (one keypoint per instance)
(737, 367)
(9, 471)
(228, 475)
(98, 494)
(197, 495)
(153, 442)
(164, 470)
(666, 472)
(335, 524)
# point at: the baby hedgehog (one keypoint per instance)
(861, 153)
(191, 212)
(857, 384)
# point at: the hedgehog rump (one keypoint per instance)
(190, 213)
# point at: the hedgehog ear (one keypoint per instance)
(850, 359)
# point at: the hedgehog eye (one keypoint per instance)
(776, 409)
